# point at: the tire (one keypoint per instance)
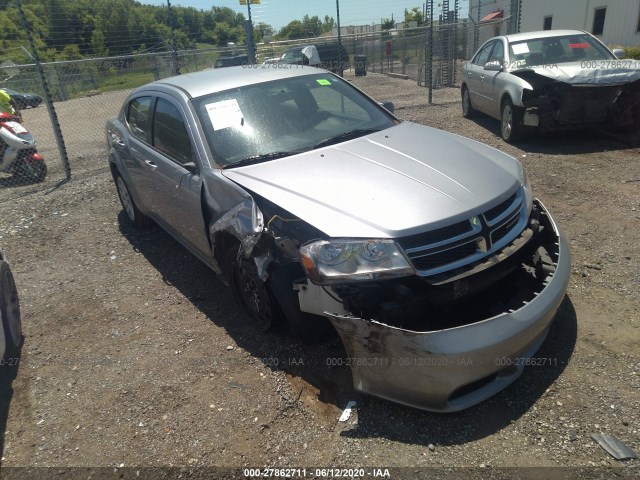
(10, 312)
(305, 326)
(129, 205)
(251, 293)
(467, 109)
(510, 122)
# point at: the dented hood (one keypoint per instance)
(386, 185)
(574, 73)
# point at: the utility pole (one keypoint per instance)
(248, 28)
(338, 10)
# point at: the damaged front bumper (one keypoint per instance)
(450, 369)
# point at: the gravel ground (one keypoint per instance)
(136, 355)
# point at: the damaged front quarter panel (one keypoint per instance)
(245, 222)
(450, 369)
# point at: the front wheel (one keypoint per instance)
(510, 118)
(250, 291)
(10, 312)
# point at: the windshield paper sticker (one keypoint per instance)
(322, 81)
(225, 114)
(520, 48)
(579, 45)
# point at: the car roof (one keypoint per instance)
(517, 37)
(221, 79)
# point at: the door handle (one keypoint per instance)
(151, 164)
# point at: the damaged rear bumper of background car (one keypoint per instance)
(450, 369)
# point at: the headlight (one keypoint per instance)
(328, 262)
(524, 181)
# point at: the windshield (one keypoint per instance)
(554, 50)
(293, 55)
(265, 121)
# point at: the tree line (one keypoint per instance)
(75, 29)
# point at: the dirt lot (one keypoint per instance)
(136, 355)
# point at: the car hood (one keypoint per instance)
(397, 182)
(574, 73)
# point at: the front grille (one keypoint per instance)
(439, 259)
(501, 232)
(435, 236)
(498, 210)
(462, 243)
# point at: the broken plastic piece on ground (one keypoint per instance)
(346, 413)
(614, 447)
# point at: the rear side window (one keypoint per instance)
(138, 117)
(170, 135)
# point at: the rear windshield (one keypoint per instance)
(554, 50)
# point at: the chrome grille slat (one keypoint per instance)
(465, 242)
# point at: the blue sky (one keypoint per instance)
(352, 12)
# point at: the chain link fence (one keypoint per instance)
(413, 67)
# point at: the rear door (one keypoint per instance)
(138, 151)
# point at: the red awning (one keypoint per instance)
(493, 16)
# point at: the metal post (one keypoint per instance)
(338, 13)
(47, 94)
(339, 39)
(251, 52)
(174, 44)
(430, 60)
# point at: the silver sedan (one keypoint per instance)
(551, 80)
(424, 250)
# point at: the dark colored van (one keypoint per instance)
(234, 61)
(333, 56)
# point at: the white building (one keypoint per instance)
(615, 22)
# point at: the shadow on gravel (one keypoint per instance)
(566, 143)
(319, 375)
(308, 367)
(377, 418)
(8, 372)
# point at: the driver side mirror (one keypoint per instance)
(619, 52)
(388, 105)
(493, 66)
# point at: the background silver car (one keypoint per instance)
(551, 80)
(426, 251)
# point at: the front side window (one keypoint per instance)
(138, 117)
(170, 135)
(483, 55)
(498, 53)
(598, 20)
(273, 119)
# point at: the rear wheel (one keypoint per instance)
(129, 205)
(35, 171)
(467, 109)
(10, 312)
(510, 118)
